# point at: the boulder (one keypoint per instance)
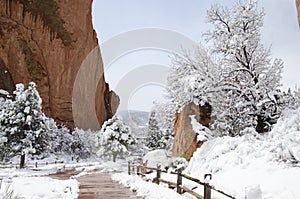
(185, 139)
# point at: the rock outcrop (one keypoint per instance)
(185, 139)
(298, 9)
(47, 43)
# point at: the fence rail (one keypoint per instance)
(134, 168)
(28, 164)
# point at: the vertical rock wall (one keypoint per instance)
(47, 43)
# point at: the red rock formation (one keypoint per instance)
(185, 139)
(298, 9)
(49, 49)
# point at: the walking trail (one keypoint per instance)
(97, 186)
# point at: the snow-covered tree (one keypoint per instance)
(249, 77)
(114, 138)
(237, 76)
(193, 78)
(156, 139)
(22, 124)
(165, 117)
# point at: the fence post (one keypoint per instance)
(158, 174)
(179, 181)
(132, 168)
(22, 160)
(129, 168)
(207, 187)
(138, 168)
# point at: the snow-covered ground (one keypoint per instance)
(252, 166)
(265, 163)
(34, 183)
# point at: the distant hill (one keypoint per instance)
(134, 117)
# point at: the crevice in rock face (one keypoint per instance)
(34, 67)
(107, 100)
(6, 81)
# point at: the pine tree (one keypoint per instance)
(155, 139)
(114, 138)
(23, 124)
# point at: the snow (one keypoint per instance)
(43, 187)
(203, 133)
(253, 165)
(155, 158)
(147, 190)
(32, 183)
(3, 92)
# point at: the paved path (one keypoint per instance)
(98, 186)
(101, 186)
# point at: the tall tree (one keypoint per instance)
(23, 123)
(237, 76)
(249, 76)
(156, 138)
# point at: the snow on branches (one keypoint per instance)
(114, 138)
(239, 78)
(22, 123)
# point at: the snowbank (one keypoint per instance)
(146, 189)
(156, 157)
(43, 187)
(253, 164)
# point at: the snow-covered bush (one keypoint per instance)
(176, 163)
(114, 138)
(285, 137)
(22, 124)
(78, 143)
(61, 138)
(83, 143)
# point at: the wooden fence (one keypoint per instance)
(28, 165)
(134, 168)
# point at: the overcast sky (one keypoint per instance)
(112, 18)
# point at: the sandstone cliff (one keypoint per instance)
(185, 139)
(298, 8)
(47, 43)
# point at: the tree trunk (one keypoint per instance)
(22, 160)
(114, 157)
(260, 124)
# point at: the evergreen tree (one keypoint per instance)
(165, 117)
(22, 124)
(114, 138)
(156, 138)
